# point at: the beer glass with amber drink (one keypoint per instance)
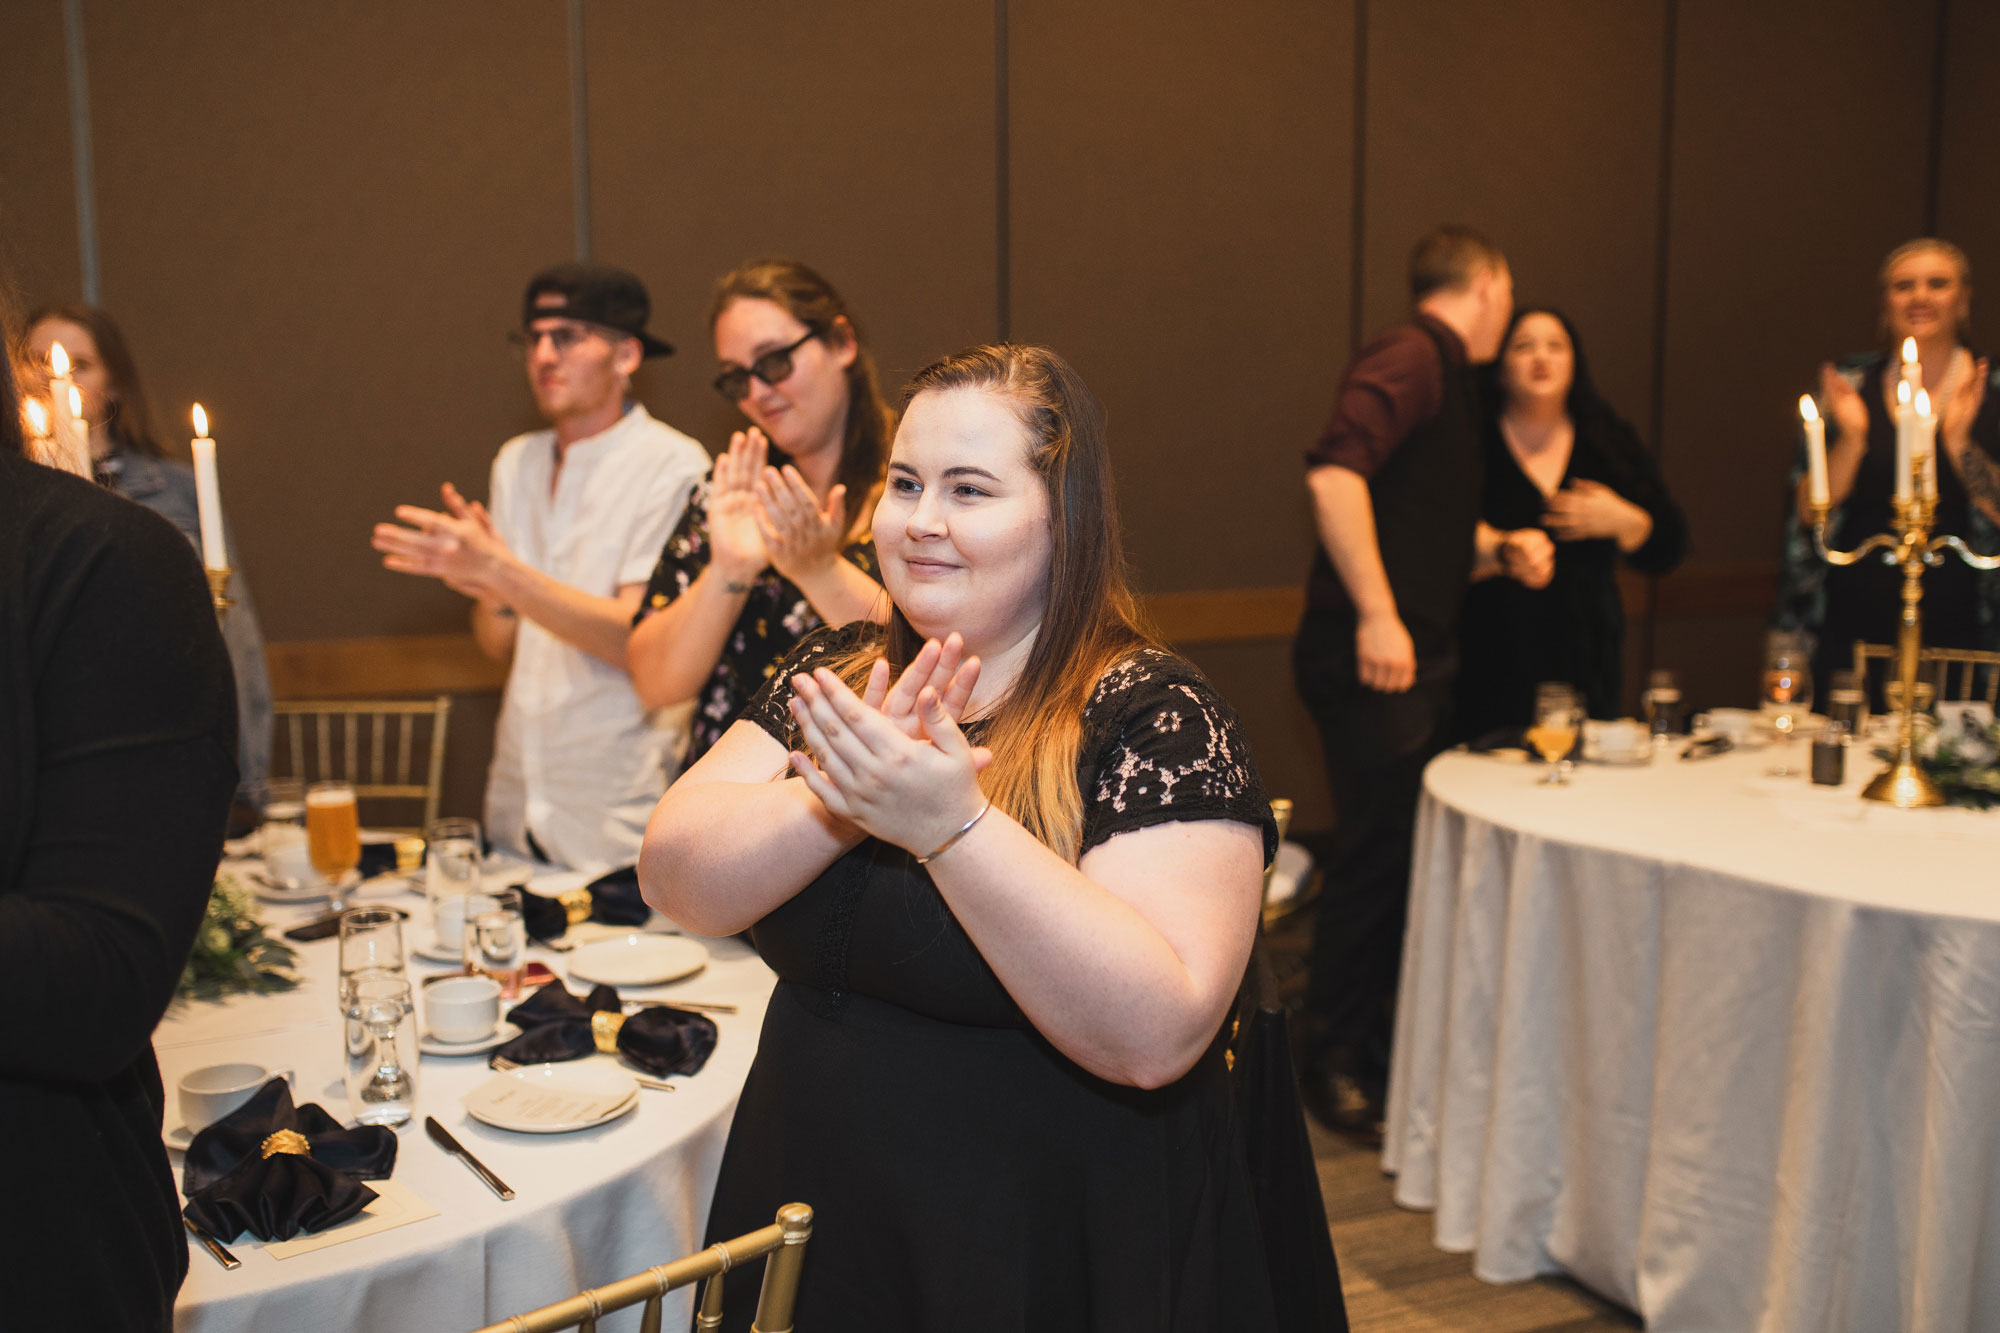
(333, 834)
(1558, 717)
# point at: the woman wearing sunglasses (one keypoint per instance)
(775, 543)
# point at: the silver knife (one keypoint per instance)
(452, 1145)
(212, 1245)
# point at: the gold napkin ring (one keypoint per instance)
(287, 1140)
(576, 902)
(604, 1025)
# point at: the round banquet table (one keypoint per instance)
(1723, 1047)
(589, 1206)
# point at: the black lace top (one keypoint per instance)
(1159, 745)
(775, 617)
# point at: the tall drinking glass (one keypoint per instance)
(281, 832)
(451, 872)
(1558, 719)
(381, 1040)
(496, 937)
(333, 834)
(371, 944)
(1787, 697)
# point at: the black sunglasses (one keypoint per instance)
(774, 367)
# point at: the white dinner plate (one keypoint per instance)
(499, 1036)
(638, 958)
(509, 1100)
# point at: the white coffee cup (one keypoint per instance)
(286, 859)
(1621, 741)
(448, 923)
(213, 1091)
(462, 1008)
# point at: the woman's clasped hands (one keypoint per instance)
(891, 760)
(761, 516)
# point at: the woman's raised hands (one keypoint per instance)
(735, 530)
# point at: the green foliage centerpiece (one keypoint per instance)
(1965, 762)
(232, 954)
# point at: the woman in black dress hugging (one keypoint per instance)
(1005, 855)
(1560, 459)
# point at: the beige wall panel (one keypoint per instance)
(1182, 208)
(1799, 152)
(1969, 195)
(38, 245)
(1538, 123)
(317, 220)
(858, 139)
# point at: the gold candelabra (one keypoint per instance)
(218, 590)
(1909, 545)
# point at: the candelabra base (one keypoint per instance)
(1904, 785)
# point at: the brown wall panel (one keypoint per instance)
(1969, 188)
(1539, 123)
(1182, 193)
(1799, 155)
(38, 244)
(859, 139)
(319, 227)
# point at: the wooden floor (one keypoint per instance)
(1396, 1281)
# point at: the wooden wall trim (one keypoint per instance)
(453, 664)
(388, 667)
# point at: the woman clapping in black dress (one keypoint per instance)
(1558, 458)
(1004, 854)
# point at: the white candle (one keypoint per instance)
(1906, 437)
(1913, 369)
(38, 430)
(207, 494)
(1925, 446)
(72, 435)
(1816, 488)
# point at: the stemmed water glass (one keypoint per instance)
(1787, 697)
(381, 1024)
(1558, 718)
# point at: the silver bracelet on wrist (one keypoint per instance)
(946, 845)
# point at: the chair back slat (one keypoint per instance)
(349, 740)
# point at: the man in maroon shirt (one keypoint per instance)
(1395, 482)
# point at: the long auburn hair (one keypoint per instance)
(13, 440)
(1090, 619)
(127, 418)
(810, 299)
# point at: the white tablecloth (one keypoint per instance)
(1724, 1047)
(589, 1207)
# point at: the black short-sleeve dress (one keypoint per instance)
(775, 617)
(965, 1174)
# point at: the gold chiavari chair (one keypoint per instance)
(784, 1241)
(1955, 675)
(390, 749)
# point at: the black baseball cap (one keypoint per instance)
(596, 294)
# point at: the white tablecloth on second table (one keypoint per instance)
(1723, 1047)
(589, 1206)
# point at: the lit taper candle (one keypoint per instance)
(207, 494)
(1816, 488)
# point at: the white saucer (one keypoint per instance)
(177, 1138)
(580, 1078)
(313, 891)
(638, 958)
(499, 1036)
(434, 953)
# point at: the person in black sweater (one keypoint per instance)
(1557, 458)
(117, 763)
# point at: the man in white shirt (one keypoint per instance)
(556, 569)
